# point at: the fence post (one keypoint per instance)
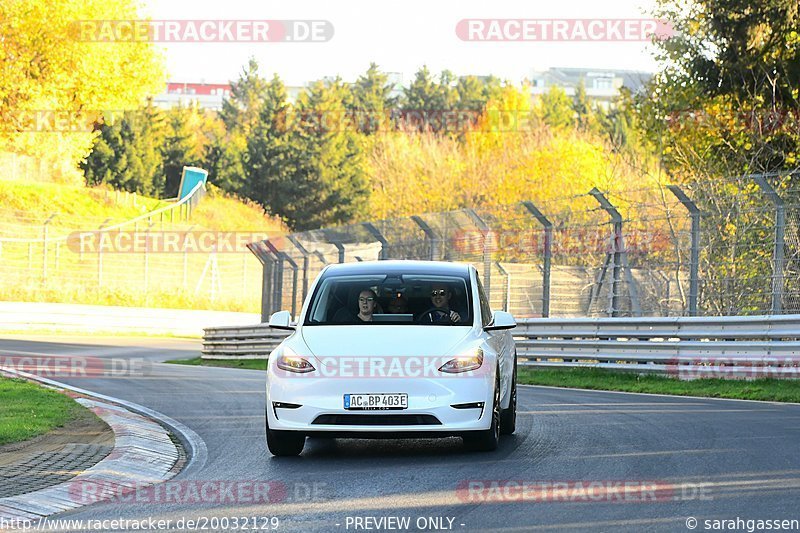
(244, 276)
(430, 235)
(339, 246)
(384, 254)
(294, 268)
(548, 254)
(44, 248)
(186, 256)
(259, 249)
(305, 254)
(278, 284)
(694, 260)
(620, 258)
(266, 289)
(100, 253)
(487, 250)
(507, 295)
(146, 259)
(778, 245)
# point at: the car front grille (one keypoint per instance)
(377, 420)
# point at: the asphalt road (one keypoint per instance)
(589, 460)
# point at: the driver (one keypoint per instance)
(440, 313)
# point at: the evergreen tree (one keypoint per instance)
(269, 160)
(328, 183)
(180, 148)
(581, 106)
(126, 154)
(372, 102)
(240, 111)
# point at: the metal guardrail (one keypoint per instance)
(749, 346)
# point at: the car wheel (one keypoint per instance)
(285, 443)
(487, 440)
(508, 420)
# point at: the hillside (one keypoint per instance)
(58, 272)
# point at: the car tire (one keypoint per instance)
(487, 440)
(285, 443)
(508, 419)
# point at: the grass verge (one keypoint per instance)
(247, 364)
(773, 390)
(28, 410)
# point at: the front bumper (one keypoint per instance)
(428, 397)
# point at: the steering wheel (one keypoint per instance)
(436, 315)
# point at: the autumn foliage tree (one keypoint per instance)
(45, 68)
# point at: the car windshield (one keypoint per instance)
(401, 299)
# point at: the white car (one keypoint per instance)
(393, 349)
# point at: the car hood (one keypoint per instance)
(383, 341)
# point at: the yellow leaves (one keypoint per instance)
(414, 173)
(45, 68)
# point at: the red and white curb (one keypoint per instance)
(143, 455)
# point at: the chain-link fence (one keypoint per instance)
(160, 259)
(725, 247)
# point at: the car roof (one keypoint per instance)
(399, 267)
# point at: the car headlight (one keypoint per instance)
(291, 362)
(463, 363)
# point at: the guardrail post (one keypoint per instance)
(430, 236)
(384, 254)
(694, 261)
(620, 258)
(487, 252)
(548, 254)
(305, 253)
(778, 251)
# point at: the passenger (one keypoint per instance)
(440, 313)
(367, 300)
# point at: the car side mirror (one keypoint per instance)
(281, 320)
(501, 320)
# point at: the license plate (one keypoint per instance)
(375, 402)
